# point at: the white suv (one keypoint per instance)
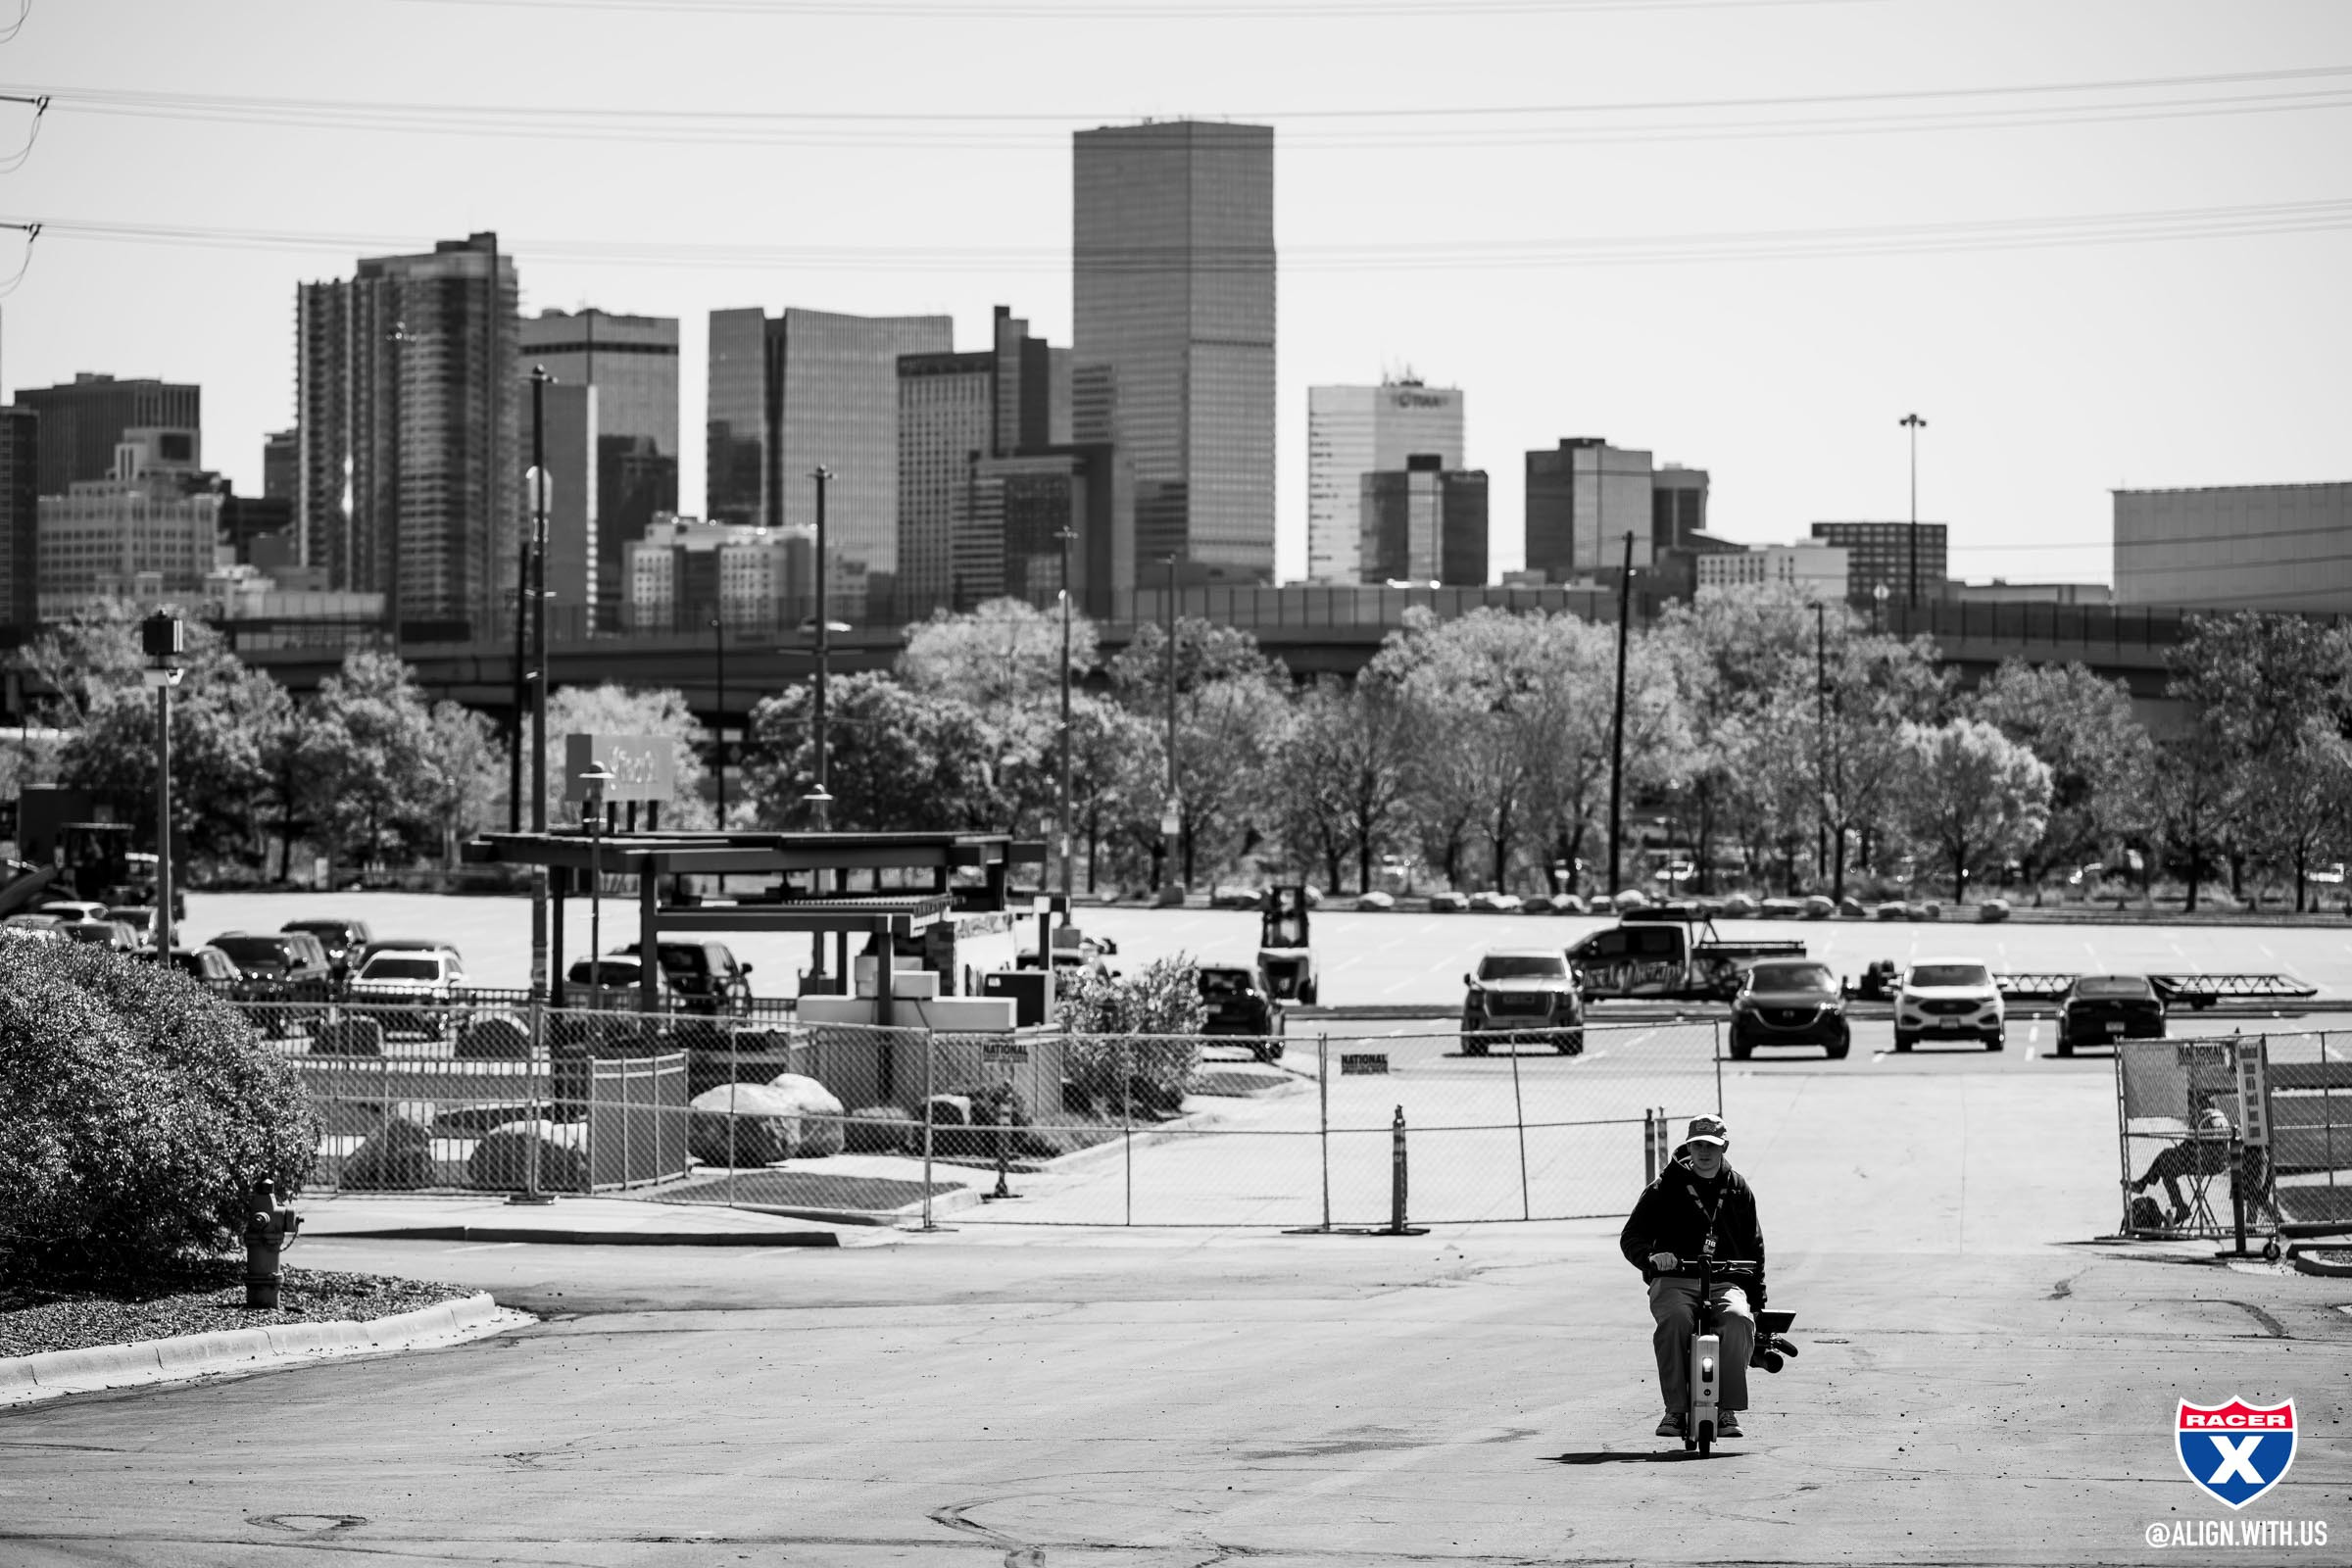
(1943, 998)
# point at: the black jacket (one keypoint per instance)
(1673, 1215)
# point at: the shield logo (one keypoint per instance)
(2237, 1452)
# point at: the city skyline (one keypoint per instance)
(1657, 307)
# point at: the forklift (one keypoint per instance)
(1286, 964)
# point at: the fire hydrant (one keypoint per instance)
(267, 1230)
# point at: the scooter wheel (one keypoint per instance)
(1706, 1438)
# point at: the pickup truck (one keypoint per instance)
(1681, 959)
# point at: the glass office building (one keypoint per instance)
(83, 418)
(1173, 282)
(1423, 523)
(632, 363)
(1355, 430)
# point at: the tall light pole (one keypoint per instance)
(163, 638)
(537, 587)
(719, 710)
(1821, 729)
(821, 800)
(1171, 822)
(596, 775)
(1062, 810)
(1625, 620)
(1914, 423)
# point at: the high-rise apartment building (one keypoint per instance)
(806, 389)
(409, 420)
(82, 421)
(570, 420)
(1892, 555)
(1355, 430)
(149, 531)
(632, 362)
(2237, 547)
(1423, 523)
(281, 465)
(1173, 333)
(1583, 498)
(20, 522)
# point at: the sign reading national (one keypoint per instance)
(2237, 1452)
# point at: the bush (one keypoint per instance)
(399, 1158)
(136, 1113)
(501, 1161)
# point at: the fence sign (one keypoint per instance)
(644, 768)
(1362, 1064)
(2253, 1099)
(1009, 1052)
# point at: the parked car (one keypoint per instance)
(343, 941)
(420, 991)
(1943, 998)
(2099, 1008)
(1645, 954)
(208, 964)
(379, 945)
(34, 920)
(110, 934)
(140, 917)
(1520, 989)
(276, 966)
(1238, 1005)
(1229, 895)
(73, 909)
(37, 934)
(704, 975)
(612, 984)
(1781, 1002)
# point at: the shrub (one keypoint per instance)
(1164, 1000)
(399, 1158)
(136, 1113)
(1134, 1043)
(501, 1161)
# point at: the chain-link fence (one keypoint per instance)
(2252, 1129)
(854, 1122)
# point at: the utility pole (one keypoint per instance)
(718, 712)
(163, 638)
(1625, 624)
(1061, 812)
(1821, 732)
(820, 800)
(536, 586)
(1171, 822)
(1914, 423)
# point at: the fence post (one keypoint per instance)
(1323, 1116)
(734, 1078)
(1717, 1026)
(930, 1049)
(1519, 1121)
(1649, 1147)
(1127, 1121)
(530, 1192)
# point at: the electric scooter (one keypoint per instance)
(1706, 1351)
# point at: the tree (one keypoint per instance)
(2193, 770)
(370, 762)
(898, 759)
(1229, 695)
(2301, 803)
(2098, 752)
(611, 709)
(1971, 795)
(1003, 650)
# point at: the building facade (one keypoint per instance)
(2237, 547)
(1583, 498)
(409, 423)
(1355, 430)
(1423, 523)
(632, 363)
(810, 390)
(150, 531)
(1173, 294)
(1882, 554)
(82, 421)
(685, 572)
(19, 522)
(281, 465)
(1678, 506)
(1815, 569)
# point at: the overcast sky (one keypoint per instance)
(2095, 243)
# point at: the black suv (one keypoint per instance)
(1237, 1005)
(1790, 1004)
(276, 966)
(2099, 1010)
(342, 939)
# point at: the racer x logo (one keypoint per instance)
(2237, 1452)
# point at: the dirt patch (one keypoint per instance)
(206, 1298)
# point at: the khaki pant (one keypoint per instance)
(1674, 1308)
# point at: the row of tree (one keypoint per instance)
(1778, 743)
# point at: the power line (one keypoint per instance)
(1143, 10)
(9, 33)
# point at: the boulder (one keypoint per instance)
(501, 1161)
(495, 1037)
(348, 1037)
(396, 1159)
(759, 1124)
(878, 1130)
(820, 1112)
(1992, 910)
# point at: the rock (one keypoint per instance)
(348, 1037)
(797, 1118)
(820, 1111)
(397, 1158)
(495, 1038)
(878, 1130)
(501, 1163)
(1992, 910)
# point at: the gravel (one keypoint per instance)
(205, 1297)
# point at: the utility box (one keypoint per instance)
(1031, 992)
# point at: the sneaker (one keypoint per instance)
(1727, 1424)
(1672, 1425)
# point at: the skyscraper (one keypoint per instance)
(83, 420)
(281, 465)
(20, 522)
(408, 481)
(1355, 430)
(1583, 498)
(632, 362)
(809, 388)
(1174, 329)
(1423, 522)
(1882, 553)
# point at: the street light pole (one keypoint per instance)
(163, 638)
(1171, 822)
(596, 775)
(1821, 730)
(1062, 810)
(1625, 598)
(821, 800)
(537, 587)
(719, 710)
(1914, 423)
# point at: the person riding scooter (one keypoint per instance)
(1699, 1207)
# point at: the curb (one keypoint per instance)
(191, 1355)
(2305, 1263)
(575, 1238)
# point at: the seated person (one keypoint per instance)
(2203, 1153)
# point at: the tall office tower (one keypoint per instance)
(82, 421)
(571, 421)
(1583, 499)
(149, 531)
(1173, 284)
(410, 467)
(1424, 523)
(1355, 430)
(632, 362)
(281, 465)
(20, 522)
(806, 389)
(1882, 553)
(1678, 506)
(956, 413)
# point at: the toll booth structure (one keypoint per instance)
(812, 891)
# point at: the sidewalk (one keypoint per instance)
(565, 1222)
